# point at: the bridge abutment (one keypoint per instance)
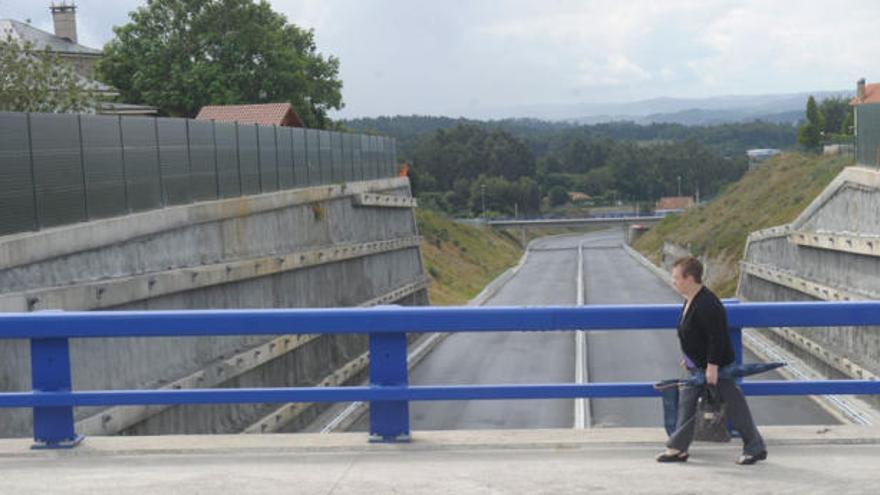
(326, 246)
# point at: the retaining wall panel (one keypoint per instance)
(17, 212)
(57, 171)
(313, 156)
(268, 155)
(300, 158)
(174, 160)
(141, 163)
(228, 173)
(285, 158)
(203, 165)
(103, 165)
(249, 159)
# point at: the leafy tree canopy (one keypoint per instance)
(810, 132)
(467, 151)
(180, 55)
(34, 80)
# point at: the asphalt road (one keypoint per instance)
(549, 277)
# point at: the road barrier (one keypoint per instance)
(53, 399)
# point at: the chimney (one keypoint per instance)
(64, 17)
(860, 90)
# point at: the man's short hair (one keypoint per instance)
(690, 267)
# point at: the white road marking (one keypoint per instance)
(581, 404)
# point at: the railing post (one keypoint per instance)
(50, 372)
(389, 420)
(736, 338)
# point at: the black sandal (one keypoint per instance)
(748, 460)
(678, 457)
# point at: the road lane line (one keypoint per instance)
(354, 410)
(581, 404)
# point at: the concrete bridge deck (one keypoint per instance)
(803, 460)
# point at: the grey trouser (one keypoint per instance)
(737, 412)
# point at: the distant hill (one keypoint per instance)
(688, 111)
(532, 120)
(698, 116)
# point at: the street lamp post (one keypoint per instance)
(679, 186)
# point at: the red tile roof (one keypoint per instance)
(266, 114)
(872, 94)
(674, 203)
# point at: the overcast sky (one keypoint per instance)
(483, 58)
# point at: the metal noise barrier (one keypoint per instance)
(59, 169)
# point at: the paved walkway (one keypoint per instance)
(803, 460)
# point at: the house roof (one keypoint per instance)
(578, 196)
(675, 203)
(42, 40)
(872, 95)
(266, 114)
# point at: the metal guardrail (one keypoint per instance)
(575, 221)
(53, 400)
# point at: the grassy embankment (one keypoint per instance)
(461, 259)
(773, 194)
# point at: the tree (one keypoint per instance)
(846, 127)
(809, 134)
(558, 196)
(468, 151)
(505, 197)
(180, 55)
(39, 81)
(834, 114)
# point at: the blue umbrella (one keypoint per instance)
(669, 388)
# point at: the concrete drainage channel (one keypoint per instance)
(342, 417)
(847, 409)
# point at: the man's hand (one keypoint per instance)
(712, 374)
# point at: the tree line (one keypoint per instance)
(828, 122)
(465, 168)
(527, 165)
(725, 139)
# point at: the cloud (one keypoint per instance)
(615, 69)
(774, 47)
(461, 56)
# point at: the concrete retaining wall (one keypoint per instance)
(830, 252)
(341, 245)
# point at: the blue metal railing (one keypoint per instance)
(53, 400)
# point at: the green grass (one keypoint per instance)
(773, 194)
(461, 259)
